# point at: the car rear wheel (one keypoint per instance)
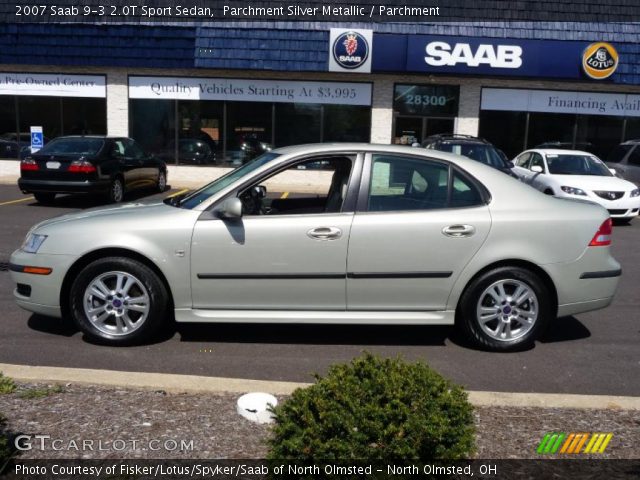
(116, 190)
(505, 309)
(118, 301)
(45, 197)
(162, 181)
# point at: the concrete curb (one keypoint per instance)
(200, 384)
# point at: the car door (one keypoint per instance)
(418, 223)
(289, 249)
(538, 172)
(125, 166)
(521, 166)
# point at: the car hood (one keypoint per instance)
(117, 212)
(594, 182)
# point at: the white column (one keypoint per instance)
(117, 104)
(382, 111)
(469, 110)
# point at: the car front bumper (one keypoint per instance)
(35, 292)
(59, 186)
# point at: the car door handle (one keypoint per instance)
(458, 231)
(325, 233)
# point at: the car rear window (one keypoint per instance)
(72, 146)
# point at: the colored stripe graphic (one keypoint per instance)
(573, 443)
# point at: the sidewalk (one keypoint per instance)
(179, 176)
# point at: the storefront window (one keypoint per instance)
(598, 134)
(84, 116)
(7, 114)
(506, 130)
(248, 130)
(550, 128)
(632, 128)
(201, 121)
(41, 111)
(423, 110)
(297, 123)
(152, 125)
(346, 123)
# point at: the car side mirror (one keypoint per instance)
(536, 169)
(613, 171)
(510, 164)
(231, 208)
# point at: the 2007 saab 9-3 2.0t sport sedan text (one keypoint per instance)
(333, 233)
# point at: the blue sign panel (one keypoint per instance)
(478, 56)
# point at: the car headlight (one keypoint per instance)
(635, 193)
(33, 242)
(573, 191)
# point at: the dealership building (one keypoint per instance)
(517, 84)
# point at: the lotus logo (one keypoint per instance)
(599, 60)
(350, 50)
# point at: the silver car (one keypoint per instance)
(331, 233)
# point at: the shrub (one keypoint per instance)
(377, 409)
(5, 450)
(7, 384)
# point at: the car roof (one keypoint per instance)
(559, 151)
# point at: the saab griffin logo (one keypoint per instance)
(573, 443)
(599, 60)
(350, 50)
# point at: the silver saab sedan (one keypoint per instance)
(331, 233)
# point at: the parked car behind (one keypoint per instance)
(474, 148)
(625, 160)
(191, 151)
(386, 235)
(90, 164)
(581, 175)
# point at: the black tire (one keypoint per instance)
(161, 184)
(548, 192)
(622, 221)
(45, 198)
(157, 294)
(116, 190)
(467, 317)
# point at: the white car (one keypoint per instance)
(577, 174)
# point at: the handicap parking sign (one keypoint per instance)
(37, 139)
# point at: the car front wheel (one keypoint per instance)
(118, 301)
(505, 309)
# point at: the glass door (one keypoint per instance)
(408, 130)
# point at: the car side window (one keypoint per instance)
(464, 193)
(634, 157)
(132, 150)
(117, 149)
(536, 161)
(402, 183)
(317, 185)
(523, 160)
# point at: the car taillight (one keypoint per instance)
(81, 166)
(28, 164)
(602, 237)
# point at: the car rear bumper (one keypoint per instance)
(58, 186)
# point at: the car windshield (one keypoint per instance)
(479, 152)
(576, 165)
(196, 198)
(72, 146)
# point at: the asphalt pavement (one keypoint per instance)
(593, 353)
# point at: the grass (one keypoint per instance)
(32, 393)
(7, 385)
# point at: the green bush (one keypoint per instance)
(377, 409)
(7, 384)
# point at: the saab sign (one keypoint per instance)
(499, 56)
(484, 56)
